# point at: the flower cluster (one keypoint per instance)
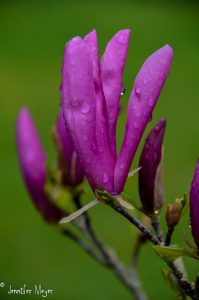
(85, 132)
(91, 91)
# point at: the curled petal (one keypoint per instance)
(147, 87)
(79, 107)
(32, 161)
(151, 190)
(194, 205)
(112, 67)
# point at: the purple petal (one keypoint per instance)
(150, 160)
(76, 175)
(194, 205)
(32, 161)
(112, 67)
(79, 107)
(102, 125)
(147, 87)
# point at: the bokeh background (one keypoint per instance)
(32, 38)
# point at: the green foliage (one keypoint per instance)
(173, 252)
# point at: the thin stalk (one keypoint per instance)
(168, 236)
(184, 284)
(156, 225)
(127, 277)
(82, 244)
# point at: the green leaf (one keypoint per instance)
(173, 252)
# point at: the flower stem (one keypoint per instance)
(184, 284)
(168, 236)
(156, 225)
(127, 277)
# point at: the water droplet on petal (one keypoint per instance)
(137, 91)
(122, 166)
(105, 178)
(151, 102)
(85, 108)
(190, 223)
(123, 91)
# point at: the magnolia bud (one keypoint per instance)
(194, 205)
(174, 211)
(32, 160)
(150, 175)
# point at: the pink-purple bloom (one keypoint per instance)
(32, 159)
(91, 99)
(150, 181)
(194, 205)
(74, 171)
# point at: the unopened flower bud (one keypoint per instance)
(194, 205)
(150, 176)
(32, 160)
(173, 212)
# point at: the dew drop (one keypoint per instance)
(156, 212)
(189, 223)
(137, 91)
(122, 166)
(85, 108)
(105, 178)
(150, 102)
(123, 91)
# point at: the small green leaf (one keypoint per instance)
(173, 252)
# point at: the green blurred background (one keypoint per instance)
(32, 39)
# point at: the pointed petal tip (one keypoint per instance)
(23, 117)
(162, 123)
(74, 43)
(123, 36)
(166, 51)
(23, 111)
(92, 34)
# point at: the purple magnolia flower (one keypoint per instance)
(72, 168)
(150, 183)
(90, 100)
(32, 161)
(194, 205)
